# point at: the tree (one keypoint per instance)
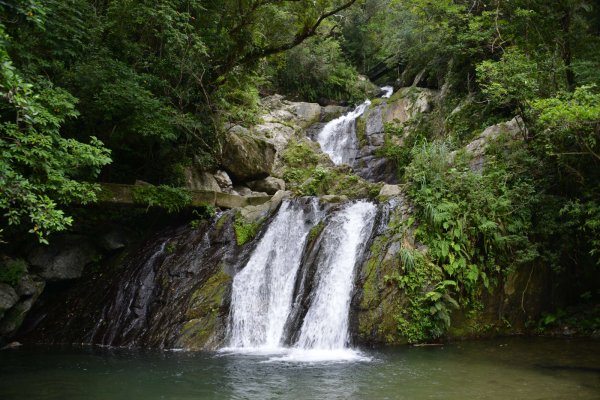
(40, 169)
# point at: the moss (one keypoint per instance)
(377, 101)
(12, 270)
(361, 131)
(245, 231)
(315, 231)
(300, 155)
(221, 222)
(381, 302)
(170, 198)
(204, 310)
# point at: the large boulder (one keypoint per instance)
(276, 133)
(64, 259)
(196, 179)
(269, 185)
(306, 113)
(247, 157)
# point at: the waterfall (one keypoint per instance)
(262, 291)
(338, 137)
(326, 322)
(388, 92)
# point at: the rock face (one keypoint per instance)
(247, 157)
(169, 292)
(65, 259)
(405, 104)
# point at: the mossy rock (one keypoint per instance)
(382, 301)
(204, 312)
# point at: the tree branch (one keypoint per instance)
(306, 32)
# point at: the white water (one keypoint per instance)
(262, 290)
(388, 92)
(338, 137)
(325, 325)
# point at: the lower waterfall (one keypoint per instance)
(263, 291)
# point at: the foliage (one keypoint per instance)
(39, 168)
(475, 225)
(475, 228)
(315, 231)
(202, 214)
(167, 197)
(317, 70)
(12, 270)
(300, 155)
(318, 181)
(511, 80)
(245, 231)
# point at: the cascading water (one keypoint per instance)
(388, 92)
(338, 137)
(263, 290)
(325, 325)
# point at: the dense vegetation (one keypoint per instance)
(120, 90)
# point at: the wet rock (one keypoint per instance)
(269, 185)
(14, 317)
(64, 259)
(12, 345)
(333, 199)
(30, 285)
(247, 157)
(258, 212)
(115, 239)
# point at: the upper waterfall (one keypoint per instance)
(338, 137)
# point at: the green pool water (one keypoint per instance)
(516, 368)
